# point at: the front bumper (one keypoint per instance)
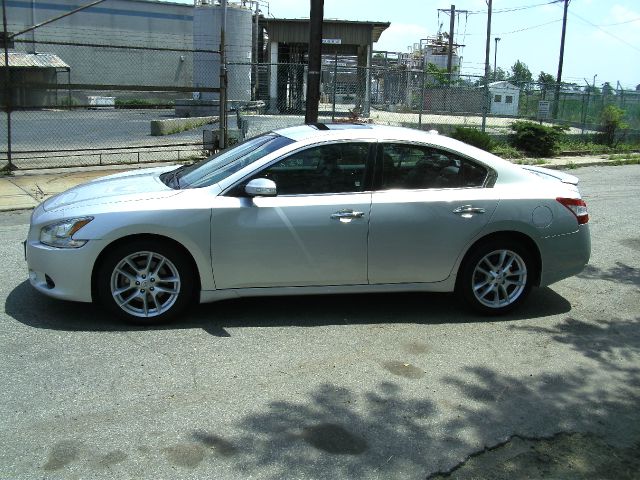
(63, 273)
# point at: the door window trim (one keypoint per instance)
(489, 181)
(368, 175)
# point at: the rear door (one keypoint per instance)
(427, 207)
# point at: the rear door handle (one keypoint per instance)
(346, 214)
(466, 209)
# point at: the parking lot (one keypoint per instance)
(406, 386)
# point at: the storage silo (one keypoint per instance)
(207, 22)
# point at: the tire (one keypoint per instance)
(496, 276)
(146, 282)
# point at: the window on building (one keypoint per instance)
(497, 99)
(508, 99)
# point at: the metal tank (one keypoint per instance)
(207, 22)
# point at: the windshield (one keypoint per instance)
(229, 161)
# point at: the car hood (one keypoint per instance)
(137, 185)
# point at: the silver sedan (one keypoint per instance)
(314, 209)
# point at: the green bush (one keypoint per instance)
(535, 139)
(611, 122)
(474, 137)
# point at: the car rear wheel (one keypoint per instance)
(496, 276)
(146, 282)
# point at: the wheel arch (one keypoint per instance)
(515, 236)
(141, 237)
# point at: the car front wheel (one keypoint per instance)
(146, 282)
(496, 277)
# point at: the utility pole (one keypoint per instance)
(495, 59)
(487, 69)
(559, 77)
(316, 15)
(452, 23)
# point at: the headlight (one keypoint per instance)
(60, 234)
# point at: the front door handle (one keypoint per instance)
(346, 214)
(467, 209)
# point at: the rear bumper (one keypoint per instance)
(564, 255)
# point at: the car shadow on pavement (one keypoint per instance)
(35, 310)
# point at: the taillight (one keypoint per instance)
(577, 207)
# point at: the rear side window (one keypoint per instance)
(416, 167)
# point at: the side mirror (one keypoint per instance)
(261, 187)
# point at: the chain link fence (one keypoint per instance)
(80, 103)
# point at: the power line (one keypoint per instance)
(618, 23)
(603, 30)
(515, 9)
(522, 29)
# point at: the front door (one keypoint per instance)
(313, 233)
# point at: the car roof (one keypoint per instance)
(346, 131)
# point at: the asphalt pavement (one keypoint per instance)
(396, 386)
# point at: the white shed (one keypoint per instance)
(504, 98)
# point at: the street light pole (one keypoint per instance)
(495, 57)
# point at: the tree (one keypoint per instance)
(499, 75)
(437, 76)
(607, 89)
(611, 122)
(520, 74)
(546, 82)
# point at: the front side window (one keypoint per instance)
(421, 167)
(508, 99)
(331, 168)
(497, 98)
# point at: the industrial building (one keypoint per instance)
(146, 43)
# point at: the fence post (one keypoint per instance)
(335, 82)
(7, 84)
(421, 98)
(582, 116)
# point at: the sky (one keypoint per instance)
(602, 38)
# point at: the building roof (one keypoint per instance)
(503, 84)
(296, 30)
(33, 60)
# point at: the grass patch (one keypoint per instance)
(531, 161)
(625, 159)
(7, 170)
(506, 151)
